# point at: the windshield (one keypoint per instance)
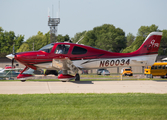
(47, 48)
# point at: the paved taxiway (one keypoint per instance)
(27, 87)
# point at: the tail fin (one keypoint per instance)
(150, 45)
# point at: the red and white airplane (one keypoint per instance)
(75, 57)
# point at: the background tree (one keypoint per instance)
(143, 32)
(38, 41)
(7, 40)
(89, 39)
(1, 30)
(61, 38)
(163, 45)
(130, 39)
(78, 36)
(105, 37)
(135, 45)
(24, 47)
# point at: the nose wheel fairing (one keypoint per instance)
(22, 76)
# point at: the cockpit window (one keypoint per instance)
(62, 49)
(78, 50)
(47, 48)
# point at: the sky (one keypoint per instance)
(27, 17)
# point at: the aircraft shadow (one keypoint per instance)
(76, 82)
(160, 80)
(82, 82)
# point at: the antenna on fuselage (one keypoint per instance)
(81, 38)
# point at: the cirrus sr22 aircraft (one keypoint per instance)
(77, 57)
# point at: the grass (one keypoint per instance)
(83, 106)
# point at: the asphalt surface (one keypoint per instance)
(17, 87)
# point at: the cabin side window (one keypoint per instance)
(62, 49)
(78, 50)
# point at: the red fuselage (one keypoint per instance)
(36, 57)
(82, 52)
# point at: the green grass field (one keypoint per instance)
(129, 106)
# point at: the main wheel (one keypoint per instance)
(77, 77)
(63, 81)
(23, 80)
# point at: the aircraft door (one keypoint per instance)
(62, 50)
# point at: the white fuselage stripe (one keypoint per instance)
(145, 60)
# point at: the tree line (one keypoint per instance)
(110, 38)
(106, 37)
(7, 40)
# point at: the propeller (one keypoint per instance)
(12, 62)
(14, 55)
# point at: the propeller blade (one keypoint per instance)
(13, 49)
(12, 62)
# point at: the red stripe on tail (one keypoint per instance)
(150, 45)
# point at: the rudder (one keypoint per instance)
(150, 45)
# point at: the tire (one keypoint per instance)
(63, 81)
(23, 80)
(77, 77)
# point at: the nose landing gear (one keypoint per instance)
(22, 76)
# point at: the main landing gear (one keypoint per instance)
(64, 77)
(77, 77)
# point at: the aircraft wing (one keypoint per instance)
(64, 64)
